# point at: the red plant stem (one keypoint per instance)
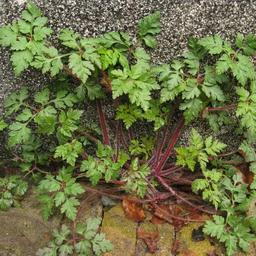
(173, 169)
(85, 156)
(161, 196)
(151, 160)
(235, 163)
(129, 134)
(174, 193)
(223, 155)
(227, 107)
(170, 165)
(160, 147)
(89, 136)
(170, 147)
(117, 142)
(124, 141)
(178, 181)
(171, 216)
(103, 124)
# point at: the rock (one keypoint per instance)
(90, 207)
(23, 231)
(180, 20)
(164, 242)
(190, 247)
(148, 227)
(166, 238)
(120, 230)
(107, 201)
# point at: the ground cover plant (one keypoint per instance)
(54, 143)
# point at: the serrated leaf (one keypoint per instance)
(192, 62)
(191, 90)
(49, 184)
(15, 100)
(24, 27)
(40, 21)
(69, 151)
(48, 61)
(119, 40)
(231, 246)
(81, 68)
(69, 207)
(64, 99)
(150, 41)
(213, 92)
(40, 33)
(243, 69)
(46, 120)
(150, 24)
(33, 9)
(216, 227)
(3, 125)
(8, 35)
(191, 109)
(20, 44)
(69, 38)
(47, 206)
(223, 64)
(21, 60)
(68, 121)
(43, 96)
(101, 245)
(129, 114)
(25, 115)
(214, 44)
(73, 188)
(59, 198)
(19, 133)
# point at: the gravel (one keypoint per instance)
(180, 20)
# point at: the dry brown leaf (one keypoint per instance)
(150, 239)
(133, 210)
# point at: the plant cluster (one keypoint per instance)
(12, 188)
(86, 241)
(214, 80)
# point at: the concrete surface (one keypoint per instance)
(180, 19)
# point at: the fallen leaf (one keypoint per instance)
(170, 214)
(133, 210)
(245, 172)
(156, 220)
(149, 238)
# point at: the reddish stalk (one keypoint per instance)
(89, 136)
(174, 193)
(171, 216)
(161, 196)
(224, 155)
(103, 124)
(172, 170)
(150, 162)
(117, 142)
(170, 147)
(224, 108)
(123, 139)
(179, 181)
(160, 147)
